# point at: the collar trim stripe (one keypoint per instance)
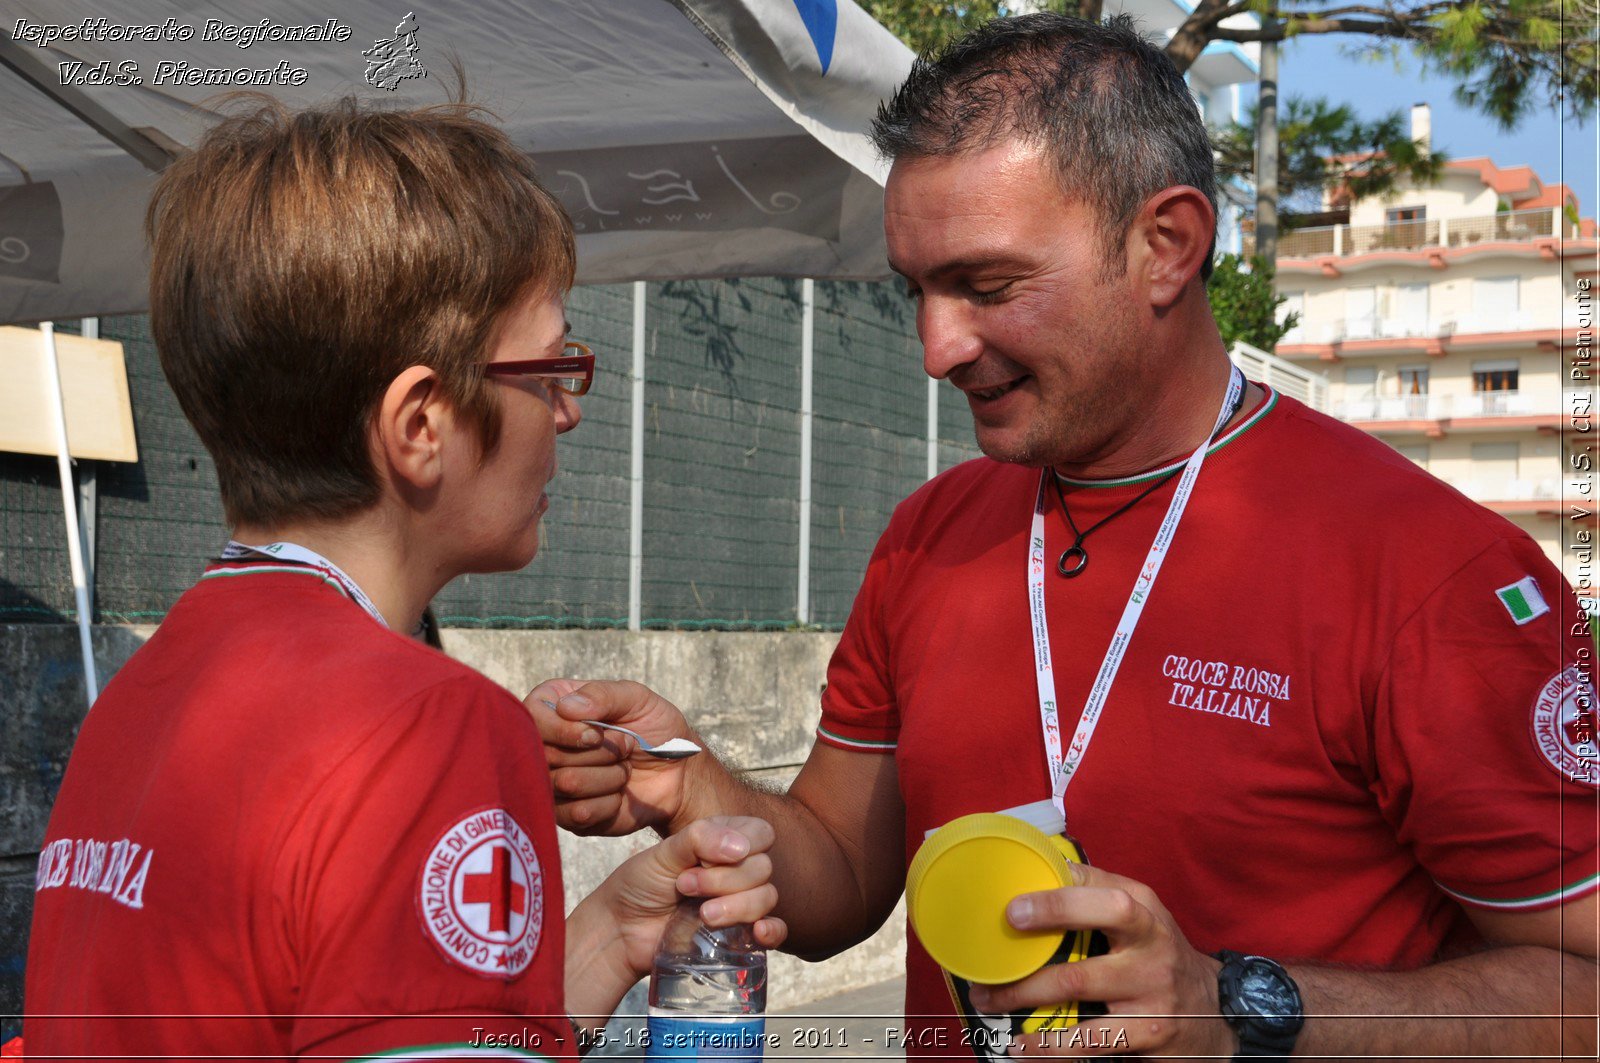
(1145, 477)
(222, 572)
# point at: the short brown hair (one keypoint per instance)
(1109, 108)
(300, 261)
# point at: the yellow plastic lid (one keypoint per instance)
(959, 885)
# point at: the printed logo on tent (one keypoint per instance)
(31, 232)
(791, 183)
(481, 895)
(1564, 720)
(822, 22)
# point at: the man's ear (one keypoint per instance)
(1169, 241)
(412, 421)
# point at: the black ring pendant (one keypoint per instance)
(1078, 566)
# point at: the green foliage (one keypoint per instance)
(1244, 303)
(1323, 146)
(1507, 57)
(925, 24)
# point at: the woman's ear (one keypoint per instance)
(413, 419)
(1171, 237)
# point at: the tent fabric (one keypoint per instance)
(686, 138)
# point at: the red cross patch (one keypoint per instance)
(481, 895)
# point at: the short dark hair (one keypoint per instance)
(1110, 110)
(302, 260)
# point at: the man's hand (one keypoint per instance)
(601, 786)
(1150, 974)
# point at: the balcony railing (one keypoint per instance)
(1376, 326)
(1509, 490)
(1444, 407)
(1395, 408)
(1496, 404)
(1342, 240)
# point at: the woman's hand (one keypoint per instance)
(612, 935)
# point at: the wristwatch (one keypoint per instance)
(1261, 1003)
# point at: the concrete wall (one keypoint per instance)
(752, 695)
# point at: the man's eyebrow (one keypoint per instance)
(967, 265)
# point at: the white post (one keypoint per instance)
(1444, 232)
(808, 310)
(1338, 239)
(69, 506)
(933, 428)
(636, 469)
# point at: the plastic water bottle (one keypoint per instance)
(708, 991)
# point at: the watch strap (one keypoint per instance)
(1257, 1039)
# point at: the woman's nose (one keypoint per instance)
(568, 412)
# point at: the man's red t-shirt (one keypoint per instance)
(1356, 703)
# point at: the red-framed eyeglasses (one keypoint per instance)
(573, 372)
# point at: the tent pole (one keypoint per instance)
(69, 506)
(808, 323)
(636, 473)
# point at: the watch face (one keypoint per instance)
(1270, 1001)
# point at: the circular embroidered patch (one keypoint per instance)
(1564, 726)
(481, 895)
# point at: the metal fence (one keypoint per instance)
(679, 502)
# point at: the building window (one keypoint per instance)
(1495, 376)
(1399, 214)
(1410, 316)
(1496, 305)
(1495, 387)
(1413, 380)
(1494, 472)
(1417, 453)
(1360, 313)
(1293, 303)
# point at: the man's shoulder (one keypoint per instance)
(978, 481)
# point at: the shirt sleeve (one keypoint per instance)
(859, 711)
(420, 891)
(1484, 734)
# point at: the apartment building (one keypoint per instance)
(1445, 320)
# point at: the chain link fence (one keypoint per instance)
(722, 429)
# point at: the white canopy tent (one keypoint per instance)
(685, 137)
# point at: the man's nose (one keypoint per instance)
(948, 339)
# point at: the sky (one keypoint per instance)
(1314, 66)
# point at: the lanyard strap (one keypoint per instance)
(1063, 766)
(236, 550)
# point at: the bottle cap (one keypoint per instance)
(959, 885)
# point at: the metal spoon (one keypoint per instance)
(671, 749)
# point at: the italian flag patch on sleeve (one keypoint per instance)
(1523, 600)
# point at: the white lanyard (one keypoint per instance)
(293, 552)
(1064, 766)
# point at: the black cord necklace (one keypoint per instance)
(1076, 554)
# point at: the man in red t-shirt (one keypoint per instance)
(288, 828)
(1319, 721)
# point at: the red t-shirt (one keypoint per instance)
(287, 830)
(1356, 701)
